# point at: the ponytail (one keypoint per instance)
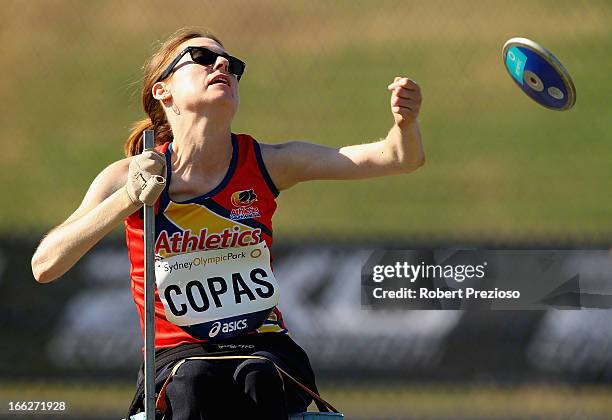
(133, 144)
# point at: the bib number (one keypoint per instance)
(218, 293)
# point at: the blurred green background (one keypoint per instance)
(499, 167)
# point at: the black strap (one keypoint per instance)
(170, 356)
(321, 404)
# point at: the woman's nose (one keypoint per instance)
(221, 63)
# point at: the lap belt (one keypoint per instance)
(321, 404)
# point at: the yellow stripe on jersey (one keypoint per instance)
(196, 217)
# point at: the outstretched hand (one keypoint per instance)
(405, 100)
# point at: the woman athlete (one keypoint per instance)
(216, 293)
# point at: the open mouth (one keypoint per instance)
(219, 79)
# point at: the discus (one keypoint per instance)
(538, 73)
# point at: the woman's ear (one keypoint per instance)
(160, 91)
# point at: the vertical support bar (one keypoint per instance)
(149, 296)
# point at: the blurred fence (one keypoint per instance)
(84, 330)
(499, 170)
(86, 325)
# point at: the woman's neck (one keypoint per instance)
(200, 147)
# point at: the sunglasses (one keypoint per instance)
(206, 57)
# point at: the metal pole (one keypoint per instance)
(149, 296)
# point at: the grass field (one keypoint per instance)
(498, 166)
(88, 401)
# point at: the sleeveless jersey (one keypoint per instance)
(238, 212)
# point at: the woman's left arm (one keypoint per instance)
(400, 152)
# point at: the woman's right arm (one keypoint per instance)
(105, 205)
(118, 191)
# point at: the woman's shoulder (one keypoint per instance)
(112, 177)
(270, 153)
(116, 172)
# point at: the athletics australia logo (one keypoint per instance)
(243, 201)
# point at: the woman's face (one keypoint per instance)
(190, 83)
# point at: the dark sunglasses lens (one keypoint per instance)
(203, 56)
(236, 66)
(206, 58)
